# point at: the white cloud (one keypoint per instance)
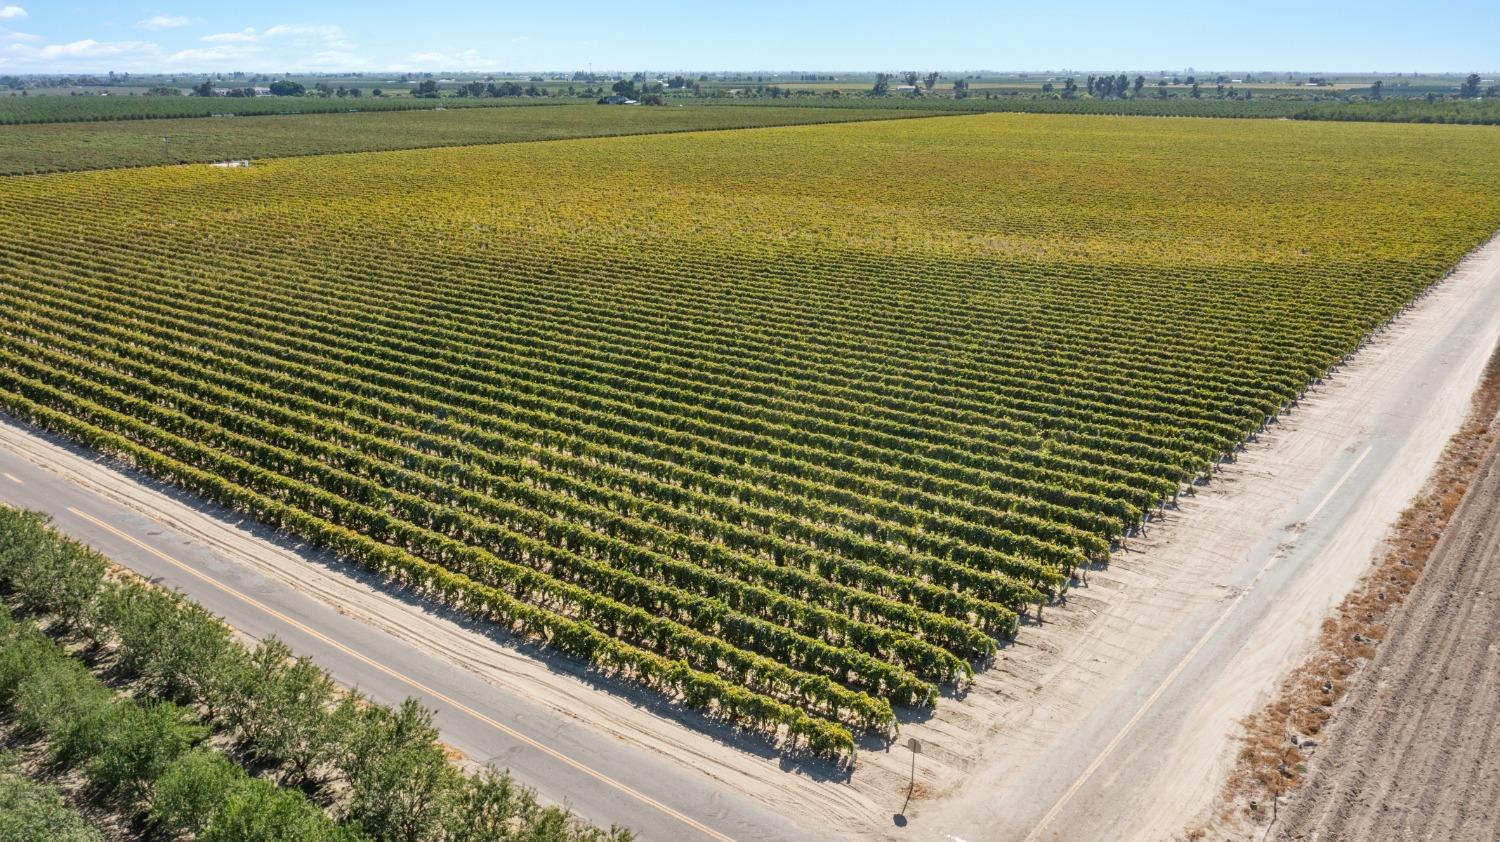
(156, 22)
(338, 60)
(434, 60)
(286, 45)
(244, 35)
(313, 29)
(218, 54)
(11, 12)
(328, 35)
(87, 48)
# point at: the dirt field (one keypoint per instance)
(1413, 754)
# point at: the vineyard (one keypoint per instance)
(53, 147)
(793, 425)
(73, 109)
(1298, 106)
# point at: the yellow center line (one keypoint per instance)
(12, 477)
(504, 729)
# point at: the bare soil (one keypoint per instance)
(1414, 750)
(1280, 738)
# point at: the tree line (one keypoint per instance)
(187, 710)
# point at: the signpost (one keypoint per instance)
(915, 745)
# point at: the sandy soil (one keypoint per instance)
(1303, 511)
(1413, 751)
(1049, 731)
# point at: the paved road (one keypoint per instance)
(598, 778)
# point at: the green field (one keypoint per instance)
(1393, 110)
(794, 425)
(131, 143)
(72, 109)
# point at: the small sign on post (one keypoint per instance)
(915, 746)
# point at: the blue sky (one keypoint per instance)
(66, 36)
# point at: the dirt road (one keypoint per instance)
(1117, 720)
(1415, 751)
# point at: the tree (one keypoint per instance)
(286, 87)
(910, 77)
(301, 733)
(32, 810)
(1121, 83)
(247, 698)
(426, 89)
(1470, 87)
(399, 780)
(191, 792)
(1195, 92)
(488, 805)
(1140, 82)
(205, 88)
(60, 700)
(255, 810)
(882, 84)
(141, 743)
(1375, 88)
(1161, 88)
(55, 578)
(173, 647)
(1070, 88)
(931, 80)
